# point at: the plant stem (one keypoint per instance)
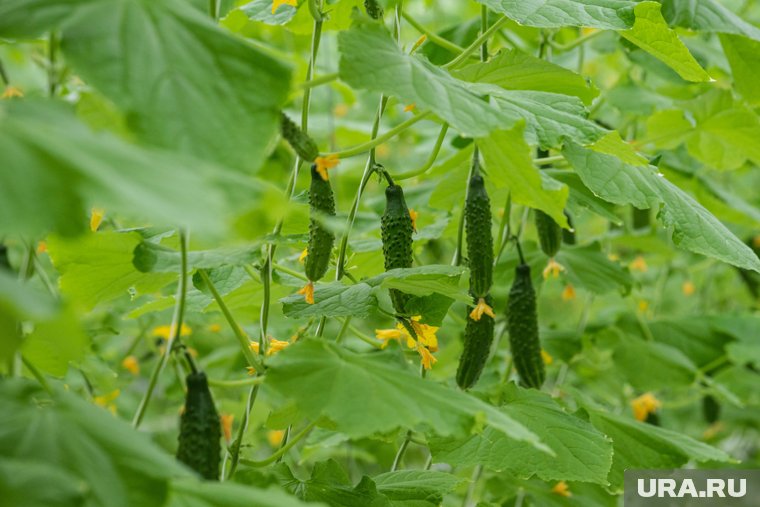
(505, 228)
(431, 159)
(456, 62)
(37, 374)
(281, 451)
(234, 450)
(213, 9)
(548, 160)
(364, 147)
(401, 451)
(324, 79)
(288, 271)
(343, 329)
(432, 36)
(575, 43)
(243, 340)
(52, 64)
(473, 483)
(175, 330)
(250, 381)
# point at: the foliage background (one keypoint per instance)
(150, 113)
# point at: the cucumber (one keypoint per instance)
(522, 324)
(302, 144)
(374, 10)
(321, 240)
(396, 231)
(478, 336)
(549, 233)
(477, 213)
(200, 429)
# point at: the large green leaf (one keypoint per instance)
(641, 445)
(743, 56)
(415, 488)
(54, 169)
(589, 268)
(509, 164)
(608, 14)
(365, 394)
(665, 366)
(330, 484)
(651, 33)
(582, 452)
(149, 256)
(707, 16)
(183, 83)
(192, 493)
(695, 229)
(515, 70)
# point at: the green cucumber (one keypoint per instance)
(200, 429)
(477, 213)
(522, 324)
(321, 239)
(478, 336)
(549, 233)
(396, 230)
(302, 144)
(374, 10)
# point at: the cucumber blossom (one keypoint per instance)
(549, 233)
(200, 429)
(374, 10)
(396, 230)
(321, 239)
(478, 336)
(477, 213)
(302, 144)
(522, 324)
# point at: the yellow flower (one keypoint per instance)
(340, 110)
(106, 400)
(480, 309)
(548, 359)
(11, 92)
(644, 405)
(568, 294)
(413, 215)
(410, 107)
(165, 331)
(325, 163)
(254, 346)
(688, 288)
(426, 338)
(425, 334)
(96, 218)
(274, 437)
(251, 370)
(553, 269)
(41, 247)
(303, 255)
(276, 346)
(215, 328)
(386, 335)
(277, 3)
(562, 489)
(130, 364)
(308, 293)
(428, 360)
(639, 264)
(226, 421)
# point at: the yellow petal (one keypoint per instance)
(254, 346)
(340, 110)
(548, 359)
(130, 364)
(688, 288)
(251, 370)
(413, 215)
(639, 264)
(11, 92)
(562, 489)
(480, 309)
(105, 399)
(41, 247)
(96, 218)
(568, 294)
(553, 269)
(274, 437)
(325, 163)
(226, 421)
(644, 405)
(276, 346)
(410, 107)
(308, 293)
(303, 255)
(428, 360)
(165, 331)
(277, 3)
(214, 328)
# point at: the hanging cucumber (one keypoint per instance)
(200, 430)
(374, 10)
(549, 233)
(321, 239)
(302, 144)
(710, 409)
(522, 324)
(396, 230)
(477, 213)
(478, 336)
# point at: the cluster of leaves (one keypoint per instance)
(143, 118)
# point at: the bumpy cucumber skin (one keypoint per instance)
(478, 336)
(321, 240)
(477, 212)
(200, 430)
(302, 144)
(549, 233)
(396, 230)
(374, 10)
(522, 324)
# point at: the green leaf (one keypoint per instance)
(192, 493)
(668, 129)
(606, 14)
(515, 70)
(424, 281)
(365, 394)
(664, 366)
(582, 452)
(707, 16)
(695, 229)
(55, 343)
(371, 60)
(415, 488)
(509, 164)
(330, 484)
(149, 256)
(117, 465)
(580, 195)
(651, 33)
(159, 62)
(332, 299)
(54, 169)
(641, 445)
(589, 268)
(20, 302)
(744, 56)
(261, 10)
(97, 268)
(695, 337)
(20, 482)
(727, 139)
